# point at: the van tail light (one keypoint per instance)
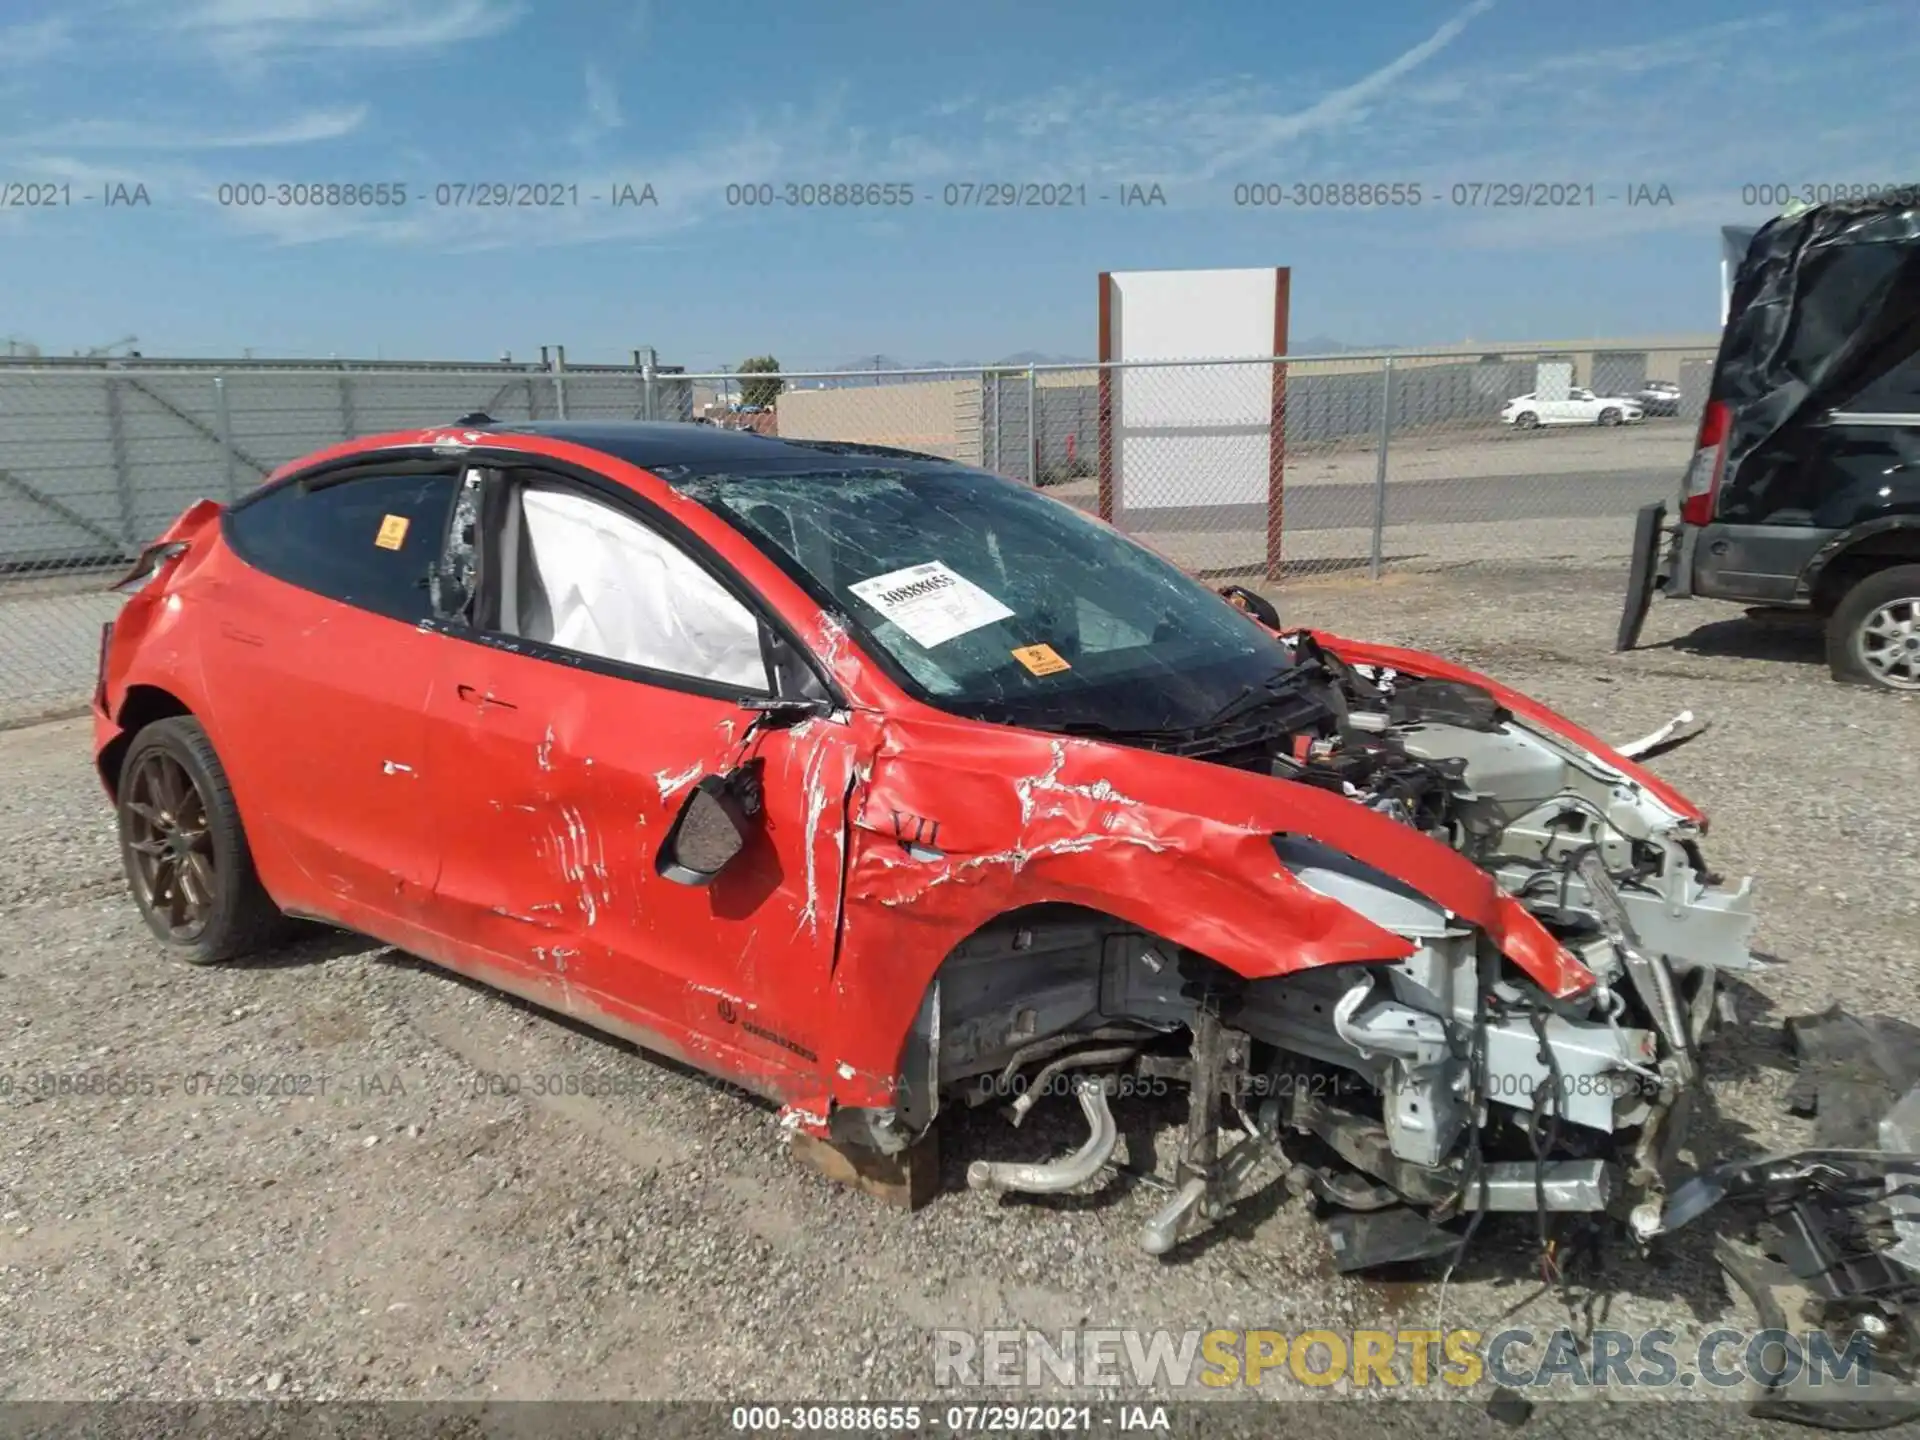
(1701, 490)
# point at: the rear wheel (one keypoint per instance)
(1873, 635)
(1609, 416)
(1525, 420)
(184, 850)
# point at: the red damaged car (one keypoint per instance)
(878, 784)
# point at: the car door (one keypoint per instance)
(317, 680)
(608, 664)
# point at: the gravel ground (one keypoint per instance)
(413, 1233)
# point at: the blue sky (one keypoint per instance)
(182, 96)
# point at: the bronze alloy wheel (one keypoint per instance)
(185, 851)
(171, 848)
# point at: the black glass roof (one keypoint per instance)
(684, 447)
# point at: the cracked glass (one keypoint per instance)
(994, 570)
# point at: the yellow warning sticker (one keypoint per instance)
(1041, 659)
(393, 532)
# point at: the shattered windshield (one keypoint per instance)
(992, 600)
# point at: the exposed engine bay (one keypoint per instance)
(1405, 1095)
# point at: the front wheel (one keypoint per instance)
(1873, 635)
(1609, 416)
(185, 853)
(1525, 420)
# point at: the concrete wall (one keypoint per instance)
(941, 416)
(1328, 404)
(96, 461)
(983, 420)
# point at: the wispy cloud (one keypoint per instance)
(603, 114)
(1776, 98)
(1681, 49)
(672, 192)
(603, 100)
(1346, 104)
(309, 128)
(1114, 125)
(263, 30)
(33, 42)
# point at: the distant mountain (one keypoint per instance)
(885, 369)
(1037, 357)
(882, 363)
(1324, 345)
(876, 362)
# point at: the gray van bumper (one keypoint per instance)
(1749, 564)
(1756, 564)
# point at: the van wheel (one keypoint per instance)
(1525, 420)
(1609, 416)
(1873, 635)
(185, 853)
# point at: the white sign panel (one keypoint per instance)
(930, 602)
(1553, 380)
(1191, 435)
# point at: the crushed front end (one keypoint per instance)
(1407, 1095)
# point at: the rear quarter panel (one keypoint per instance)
(161, 640)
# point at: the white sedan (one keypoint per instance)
(1580, 407)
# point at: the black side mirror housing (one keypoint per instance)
(1258, 606)
(711, 830)
(792, 678)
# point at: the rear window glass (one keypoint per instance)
(1896, 392)
(1844, 290)
(1838, 291)
(368, 541)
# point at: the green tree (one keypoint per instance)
(761, 392)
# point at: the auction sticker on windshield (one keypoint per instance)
(930, 602)
(393, 532)
(1041, 659)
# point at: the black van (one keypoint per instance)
(1804, 489)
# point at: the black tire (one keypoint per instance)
(1526, 420)
(1609, 416)
(1860, 649)
(184, 850)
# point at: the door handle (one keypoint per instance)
(473, 696)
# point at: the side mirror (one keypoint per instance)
(713, 827)
(1258, 606)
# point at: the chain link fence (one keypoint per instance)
(1313, 465)
(1348, 464)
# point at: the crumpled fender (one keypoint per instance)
(951, 827)
(1418, 662)
(146, 650)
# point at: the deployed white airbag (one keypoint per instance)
(622, 592)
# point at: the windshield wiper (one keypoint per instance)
(1100, 730)
(1253, 697)
(1277, 687)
